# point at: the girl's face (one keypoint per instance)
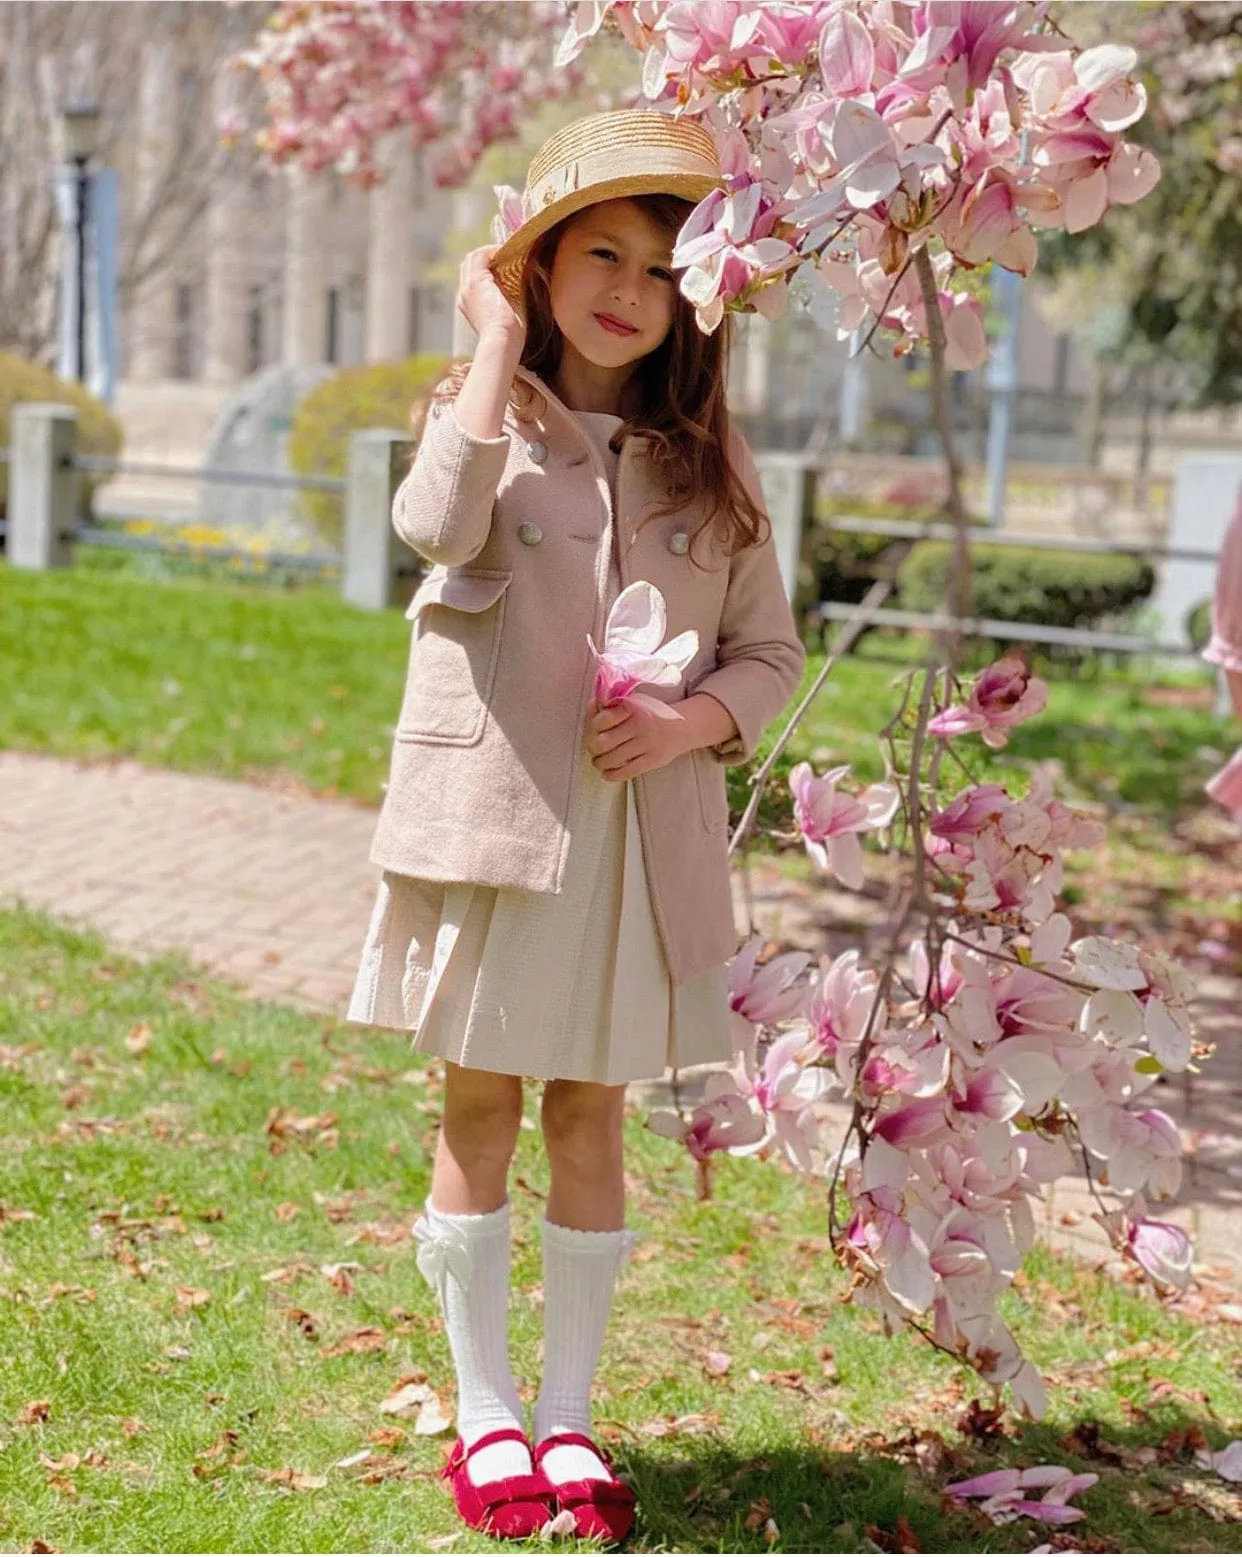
(612, 289)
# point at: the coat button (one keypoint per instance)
(529, 534)
(537, 451)
(679, 544)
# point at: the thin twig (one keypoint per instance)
(842, 644)
(958, 591)
(999, 956)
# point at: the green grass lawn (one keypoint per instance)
(248, 683)
(207, 1290)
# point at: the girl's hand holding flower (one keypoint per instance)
(627, 739)
(629, 733)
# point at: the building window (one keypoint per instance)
(254, 331)
(183, 364)
(332, 333)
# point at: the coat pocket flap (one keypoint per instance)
(464, 590)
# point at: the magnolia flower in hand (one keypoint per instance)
(633, 655)
(1003, 695)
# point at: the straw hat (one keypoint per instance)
(611, 156)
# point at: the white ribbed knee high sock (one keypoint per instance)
(579, 1274)
(466, 1260)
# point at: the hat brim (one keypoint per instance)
(509, 260)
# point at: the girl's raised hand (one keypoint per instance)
(625, 740)
(485, 307)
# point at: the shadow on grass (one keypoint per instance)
(700, 1495)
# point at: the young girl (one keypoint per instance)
(555, 900)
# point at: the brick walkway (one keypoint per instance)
(274, 890)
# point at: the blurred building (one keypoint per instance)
(277, 267)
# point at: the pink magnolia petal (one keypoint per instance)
(955, 721)
(652, 706)
(637, 620)
(1086, 201)
(846, 860)
(995, 1483)
(846, 55)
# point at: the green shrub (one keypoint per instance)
(379, 394)
(1026, 584)
(99, 432)
(1199, 625)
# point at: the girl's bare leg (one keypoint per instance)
(582, 1134)
(482, 1112)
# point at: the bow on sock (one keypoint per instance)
(442, 1252)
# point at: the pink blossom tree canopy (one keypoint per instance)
(456, 77)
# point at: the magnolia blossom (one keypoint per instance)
(1004, 695)
(830, 820)
(877, 129)
(1007, 1494)
(1162, 1250)
(724, 1121)
(764, 996)
(1141, 996)
(839, 1004)
(726, 248)
(510, 214)
(634, 653)
(784, 1089)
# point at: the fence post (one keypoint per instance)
(789, 484)
(43, 486)
(374, 558)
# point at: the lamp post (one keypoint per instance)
(80, 123)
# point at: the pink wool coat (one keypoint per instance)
(490, 736)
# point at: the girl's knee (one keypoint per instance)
(482, 1112)
(582, 1121)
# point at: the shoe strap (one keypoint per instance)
(513, 1489)
(576, 1440)
(461, 1453)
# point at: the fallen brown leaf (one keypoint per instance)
(66, 1462)
(981, 1422)
(284, 1274)
(138, 1039)
(189, 1298)
(901, 1538)
(1087, 1442)
(305, 1322)
(406, 1394)
(760, 1511)
(287, 1210)
(677, 1426)
(432, 1418)
(35, 1411)
(368, 1339)
(300, 1481)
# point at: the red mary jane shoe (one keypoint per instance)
(604, 1509)
(513, 1506)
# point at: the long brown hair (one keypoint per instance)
(678, 392)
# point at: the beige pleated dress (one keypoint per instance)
(570, 985)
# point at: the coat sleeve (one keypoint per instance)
(759, 653)
(1225, 649)
(443, 508)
